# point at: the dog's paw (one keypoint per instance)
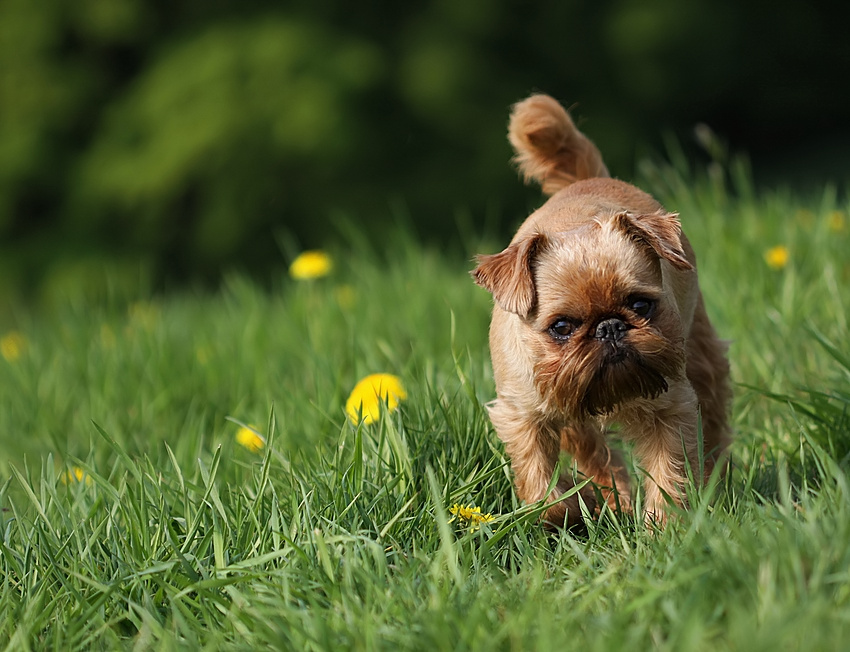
(569, 513)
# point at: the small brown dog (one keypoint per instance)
(598, 319)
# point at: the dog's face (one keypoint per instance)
(597, 320)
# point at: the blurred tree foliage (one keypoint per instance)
(172, 139)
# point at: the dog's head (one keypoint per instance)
(598, 321)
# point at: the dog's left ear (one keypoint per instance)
(661, 231)
(509, 275)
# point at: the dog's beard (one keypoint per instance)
(620, 381)
(594, 378)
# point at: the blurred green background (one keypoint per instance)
(155, 143)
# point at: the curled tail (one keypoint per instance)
(549, 148)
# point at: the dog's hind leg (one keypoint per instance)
(604, 466)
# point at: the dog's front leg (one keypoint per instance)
(666, 442)
(533, 449)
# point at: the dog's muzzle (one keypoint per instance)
(611, 330)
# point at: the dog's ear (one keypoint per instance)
(509, 275)
(660, 231)
(549, 148)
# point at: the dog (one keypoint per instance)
(598, 320)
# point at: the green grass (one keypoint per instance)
(338, 537)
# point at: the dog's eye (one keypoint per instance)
(642, 307)
(561, 329)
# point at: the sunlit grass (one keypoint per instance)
(182, 471)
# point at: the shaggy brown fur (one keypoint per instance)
(598, 319)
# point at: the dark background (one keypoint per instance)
(171, 140)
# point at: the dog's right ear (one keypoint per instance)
(661, 231)
(509, 275)
(549, 148)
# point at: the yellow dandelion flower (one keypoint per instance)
(75, 475)
(777, 257)
(12, 345)
(370, 394)
(310, 264)
(250, 439)
(835, 221)
(470, 516)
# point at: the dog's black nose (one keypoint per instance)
(611, 330)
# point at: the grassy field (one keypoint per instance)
(133, 517)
